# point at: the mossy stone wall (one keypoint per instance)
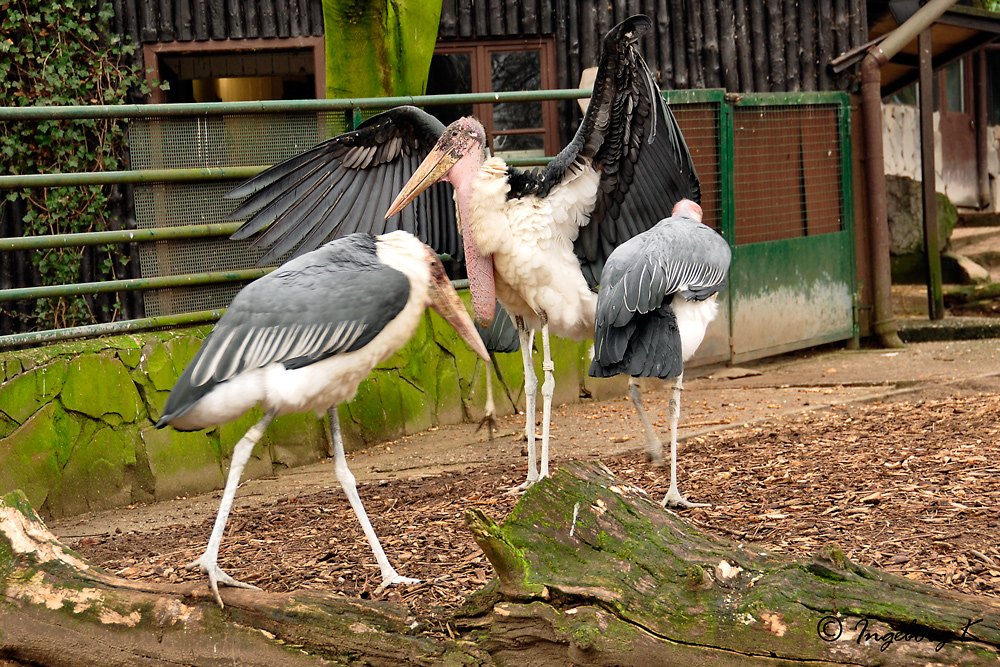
(76, 419)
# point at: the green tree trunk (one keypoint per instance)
(379, 48)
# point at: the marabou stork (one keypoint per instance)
(656, 300)
(534, 240)
(302, 339)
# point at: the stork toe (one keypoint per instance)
(395, 579)
(675, 499)
(217, 576)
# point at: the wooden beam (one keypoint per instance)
(935, 294)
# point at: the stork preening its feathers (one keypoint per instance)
(535, 240)
(657, 298)
(302, 339)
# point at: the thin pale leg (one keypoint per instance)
(654, 447)
(548, 388)
(674, 497)
(208, 562)
(530, 387)
(347, 482)
(489, 419)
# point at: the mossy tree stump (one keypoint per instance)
(590, 571)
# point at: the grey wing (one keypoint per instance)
(631, 135)
(309, 310)
(678, 255)
(501, 335)
(346, 184)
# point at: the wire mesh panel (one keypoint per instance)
(700, 125)
(223, 141)
(787, 165)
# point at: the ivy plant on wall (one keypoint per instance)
(62, 52)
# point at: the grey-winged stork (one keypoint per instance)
(534, 240)
(656, 300)
(302, 338)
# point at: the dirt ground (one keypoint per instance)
(892, 455)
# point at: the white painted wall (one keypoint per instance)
(901, 144)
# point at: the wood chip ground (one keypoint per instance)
(910, 485)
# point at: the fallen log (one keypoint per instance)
(589, 571)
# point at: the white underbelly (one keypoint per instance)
(693, 318)
(315, 387)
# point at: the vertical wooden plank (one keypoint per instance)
(710, 18)
(678, 41)
(448, 26)
(234, 19)
(294, 18)
(572, 61)
(661, 20)
(304, 18)
(201, 32)
(166, 22)
(776, 44)
(251, 23)
(529, 18)
(147, 17)
(512, 18)
(494, 18)
(727, 48)
(807, 34)
(465, 19)
(282, 19)
(588, 28)
(743, 51)
(482, 23)
(824, 43)
(316, 18)
(935, 295)
(604, 18)
(841, 38)
(182, 14)
(793, 47)
(268, 21)
(550, 15)
(758, 47)
(217, 19)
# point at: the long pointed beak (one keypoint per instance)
(445, 301)
(431, 170)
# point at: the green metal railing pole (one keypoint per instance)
(119, 236)
(122, 111)
(136, 176)
(110, 328)
(131, 284)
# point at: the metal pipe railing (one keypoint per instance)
(123, 111)
(131, 284)
(110, 328)
(118, 236)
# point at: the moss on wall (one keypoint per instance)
(77, 419)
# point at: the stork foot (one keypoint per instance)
(490, 422)
(216, 576)
(675, 499)
(395, 579)
(523, 486)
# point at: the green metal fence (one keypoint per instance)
(775, 171)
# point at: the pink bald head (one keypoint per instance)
(688, 209)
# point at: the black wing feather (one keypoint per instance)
(633, 138)
(330, 301)
(296, 199)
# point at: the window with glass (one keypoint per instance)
(515, 129)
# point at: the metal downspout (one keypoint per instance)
(884, 324)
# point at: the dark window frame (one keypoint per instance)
(480, 52)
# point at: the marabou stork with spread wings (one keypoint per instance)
(534, 240)
(302, 339)
(657, 298)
